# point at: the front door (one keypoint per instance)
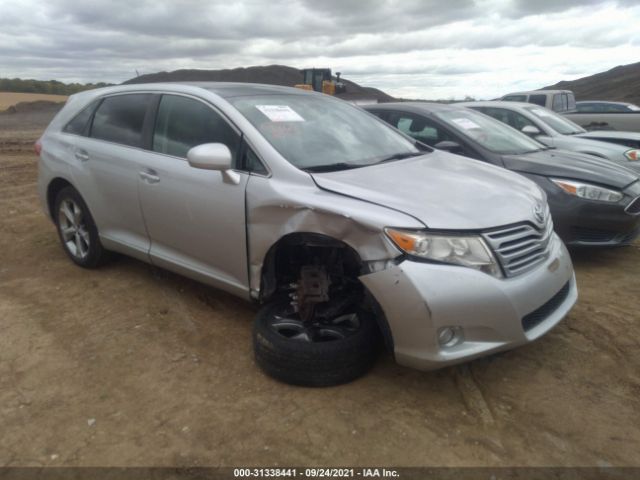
(195, 218)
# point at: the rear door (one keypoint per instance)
(195, 218)
(110, 155)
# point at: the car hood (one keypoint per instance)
(571, 165)
(442, 190)
(612, 134)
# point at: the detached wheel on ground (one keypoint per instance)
(323, 352)
(77, 230)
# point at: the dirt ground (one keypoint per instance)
(130, 365)
(8, 99)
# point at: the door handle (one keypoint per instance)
(149, 175)
(81, 155)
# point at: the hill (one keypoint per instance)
(49, 87)
(271, 75)
(621, 84)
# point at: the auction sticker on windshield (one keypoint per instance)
(465, 123)
(280, 113)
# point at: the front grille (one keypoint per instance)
(634, 207)
(536, 317)
(522, 246)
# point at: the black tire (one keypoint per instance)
(94, 253)
(314, 364)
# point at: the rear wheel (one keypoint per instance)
(77, 230)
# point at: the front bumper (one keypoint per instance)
(420, 298)
(585, 223)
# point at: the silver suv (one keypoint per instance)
(348, 232)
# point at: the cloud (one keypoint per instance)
(425, 48)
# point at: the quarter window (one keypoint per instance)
(120, 119)
(78, 124)
(183, 123)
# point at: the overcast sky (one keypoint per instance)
(410, 48)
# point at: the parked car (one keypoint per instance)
(557, 100)
(628, 139)
(601, 106)
(608, 120)
(555, 130)
(342, 227)
(593, 202)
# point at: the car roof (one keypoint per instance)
(603, 101)
(500, 104)
(536, 92)
(222, 89)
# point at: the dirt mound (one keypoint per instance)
(37, 106)
(621, 84)
(271, 75)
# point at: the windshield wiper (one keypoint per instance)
(331, 167)
(398, 156)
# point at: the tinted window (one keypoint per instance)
(78, 125)
(560, 103)
(183, 123)
(615, 108)
(515, 98)
(120, 119)
(420, 128)
(538, 100)
(252, 163)
(589, 107)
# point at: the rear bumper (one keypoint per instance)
(418, 299)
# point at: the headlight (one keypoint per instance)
(588, 191)
(632, 155)
(469, 251)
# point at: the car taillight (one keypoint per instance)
(37, 147)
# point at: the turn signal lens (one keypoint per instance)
(588, 191)
(469, 251)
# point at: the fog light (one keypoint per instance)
(449, 336)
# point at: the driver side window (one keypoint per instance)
(420, 128)
(183, 123)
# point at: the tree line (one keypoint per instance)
(52, 87)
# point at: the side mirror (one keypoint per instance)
(210, 156)
(449, 146)
(530, 130)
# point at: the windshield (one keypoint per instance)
(493, 135)
(319, 133)
(556, 122)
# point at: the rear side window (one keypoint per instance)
(538, 100)
(560, 102)
(183, 123)
(78, 124)
(589, 107)
(120, 119)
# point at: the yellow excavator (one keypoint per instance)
(321, 80)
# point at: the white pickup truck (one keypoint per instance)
(564, 102)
